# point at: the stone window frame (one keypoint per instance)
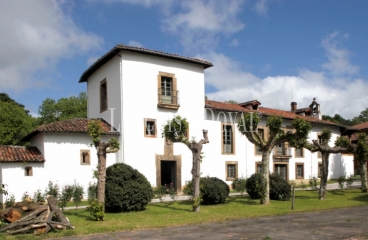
(28, 171)
(258, 164)
(302, 153)
(174, 90)
(227, 163)
(103, 92)
(232, 138)
(297, 164)
(282, 162)
(85, 157)
(145, 128)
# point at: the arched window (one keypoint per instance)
(85, 157)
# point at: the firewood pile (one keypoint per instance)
(27, 216)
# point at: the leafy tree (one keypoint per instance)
(95, 130)
(337, 118)
(361, 155)
(63, 109)
(15, 123)
(247, 125)
(342, 145)
(231, 102)
(175, 131)
(363, 117)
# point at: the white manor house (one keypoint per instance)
(135, 91)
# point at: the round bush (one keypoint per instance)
(279, 188)
(254, 186)
(126, 189)
(213, 190)
(239, 184)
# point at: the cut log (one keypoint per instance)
(54, 207)
(13, 215)
(29, 205)
(34, 214)
(20, 224)
(53, 223)
(48, 219)
(24, 208)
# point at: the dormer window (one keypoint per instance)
(252, 105)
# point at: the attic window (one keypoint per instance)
(28, 171)
(255, 106)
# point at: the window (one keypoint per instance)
(299, 152)
(168, 96)
(227, 139)
(258, 167)
(103, 95)
(231, 170)
(28, 171)
(299, 170)
(149, 127)
(320, 170)
(281, 169)
(279, 149)
(85, 157)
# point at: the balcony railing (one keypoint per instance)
(168, 99)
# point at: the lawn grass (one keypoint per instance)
(179, 213)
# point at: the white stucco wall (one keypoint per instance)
(62, 165)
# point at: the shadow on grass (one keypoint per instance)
(80, 213)
(361, 198)
(243, 200)
(336, 192)
(171, 205)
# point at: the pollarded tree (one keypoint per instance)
(342, 145)
(361, 156)
(248, 124)
(175, 131)
(95, 131)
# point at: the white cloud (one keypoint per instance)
(36, 35)
(200, 22)
(146, 3)
(338, 57)
(92, 60)
(234, 43)
(261, 7)
(344, 95)
(135, 44)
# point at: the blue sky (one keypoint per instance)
(271, 50)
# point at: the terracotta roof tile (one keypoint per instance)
(214, 105)
(119, 47)
(360, 126)
(10, 153)
(75, 125)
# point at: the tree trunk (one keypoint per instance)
(101, 154)
(196, 174)
(265, 197)
(324, 176)
(363, 175)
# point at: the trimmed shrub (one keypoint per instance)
(213, 190)
(279, 188)
(126, 189)
(254, 186)
(239, 184)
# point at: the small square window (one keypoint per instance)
(299, 152)
(85, 157)
(299, 170)
(231, 170)
(149, 127)
(28, 171)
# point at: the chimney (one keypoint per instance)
(293, 106)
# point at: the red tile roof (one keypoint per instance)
(75, 125)
(214, 105)
(119, 47)
(20, 154)
(361, 126)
